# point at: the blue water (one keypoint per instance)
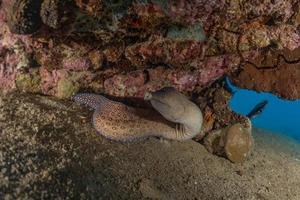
(279, 116)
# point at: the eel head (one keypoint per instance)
(168, 103)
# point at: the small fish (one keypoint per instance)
(257, 109)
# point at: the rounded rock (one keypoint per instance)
(238, 143)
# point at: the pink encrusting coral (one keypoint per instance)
(286, 36)
(52, 81)
(208, 12)
(148, 16)
(138, 82)
(14, 51)
(256, 36)
(167, 51)
(7, 38)
(2, 15)
(49, 79)
(193, 11)
(183, 80)
(12, 55)
(77, 64)
(8, 71)
(283, 10)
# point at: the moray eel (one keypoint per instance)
(175, 118)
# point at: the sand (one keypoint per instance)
(49, 149)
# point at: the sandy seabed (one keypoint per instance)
(49, 150)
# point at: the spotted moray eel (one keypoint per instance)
(175, 118)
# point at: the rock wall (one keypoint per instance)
(128, 47)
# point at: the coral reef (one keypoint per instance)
(141, 45)
(128, 48)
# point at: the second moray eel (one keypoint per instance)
(177, 118)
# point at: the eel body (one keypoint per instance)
(177, 118)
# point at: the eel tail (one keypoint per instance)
(89, 99)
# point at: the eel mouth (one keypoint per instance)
(147, 96)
